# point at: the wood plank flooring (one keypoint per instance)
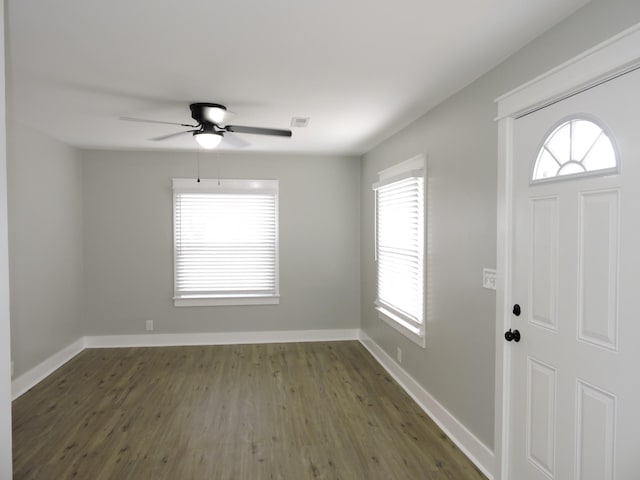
(247, 412)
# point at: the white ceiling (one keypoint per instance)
(361, 69)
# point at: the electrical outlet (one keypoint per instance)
(399, 355)
(149, 325)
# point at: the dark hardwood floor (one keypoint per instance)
(276, 411)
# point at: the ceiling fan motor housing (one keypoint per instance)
(199, 112)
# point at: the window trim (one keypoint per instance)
(413, 167)
(202, 301)
(238, 186)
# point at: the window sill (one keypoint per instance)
(225, 301)
(398, 325)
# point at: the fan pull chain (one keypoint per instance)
(198, 166)
(217, 154)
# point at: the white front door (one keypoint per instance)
(575, 373)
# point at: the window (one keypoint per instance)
(399, 248)
(577, 146)
(225, 242)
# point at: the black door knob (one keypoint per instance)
(512, 336)
(516, 310)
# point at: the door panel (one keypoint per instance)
(595, 433)
(544, 262)
(541, 415)
(598, 269)
(574, 381)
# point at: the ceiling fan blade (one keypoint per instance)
(146, 120)
(231, 140)
(165, 137)
(258, 130)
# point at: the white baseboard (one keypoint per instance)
(471, 446)
(221, 338)
(477, 452)
(27, 380)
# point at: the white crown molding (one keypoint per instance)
(471, 446)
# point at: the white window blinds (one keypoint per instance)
(400, 250)
(225, 238)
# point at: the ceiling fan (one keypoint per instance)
(209, 130)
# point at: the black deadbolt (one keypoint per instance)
(516, 310)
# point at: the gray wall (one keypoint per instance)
(460, 140)
(91, 244)
(128, 254)
(45, 245)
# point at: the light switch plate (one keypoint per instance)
(489, 278)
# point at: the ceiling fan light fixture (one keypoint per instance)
(208, 140)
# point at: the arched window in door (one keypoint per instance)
(575, 147)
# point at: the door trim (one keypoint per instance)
(614, 57)
(610, 59)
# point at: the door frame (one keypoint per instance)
(614, 57)
(5, 332)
